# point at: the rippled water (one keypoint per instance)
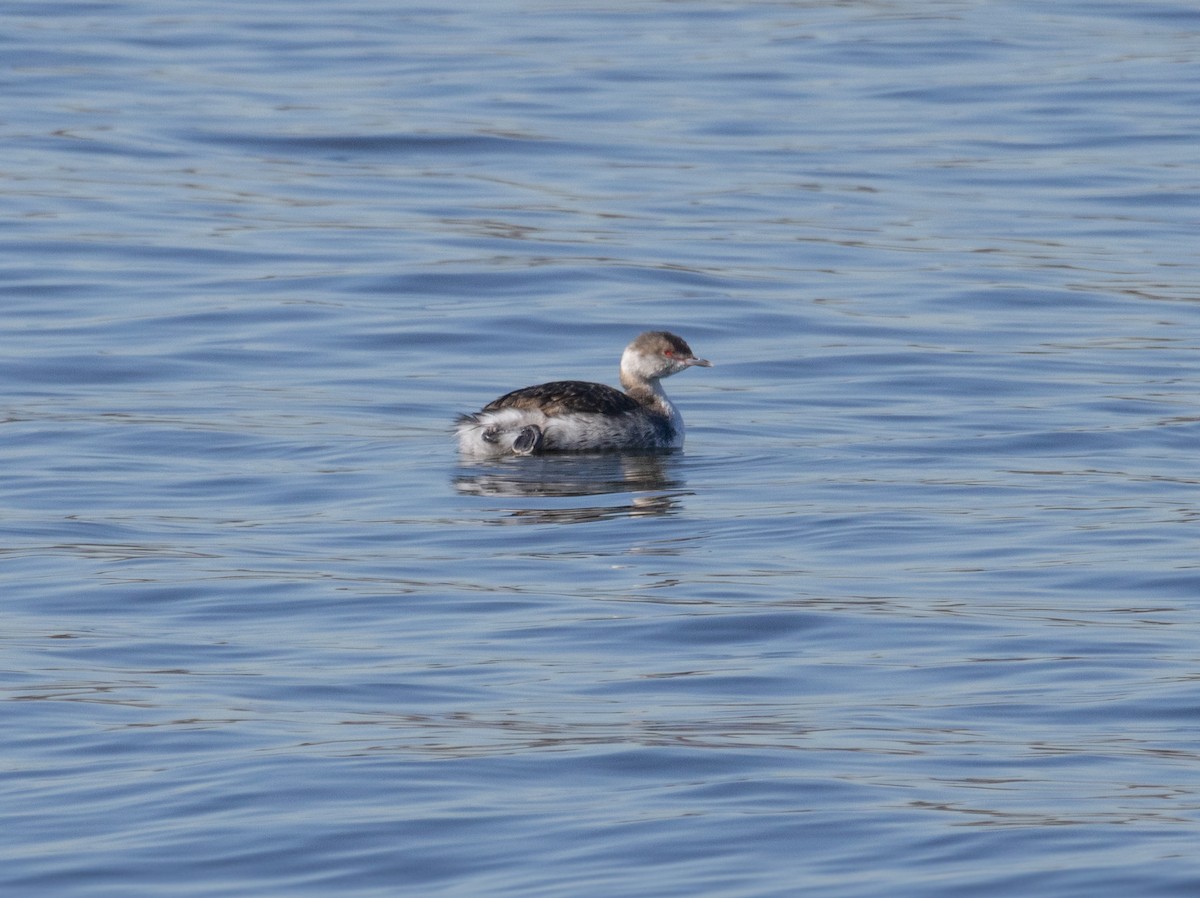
(913, 613)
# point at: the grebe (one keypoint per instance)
(573, 415)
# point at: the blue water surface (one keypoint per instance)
(914, 612)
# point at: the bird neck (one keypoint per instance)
(646, 390)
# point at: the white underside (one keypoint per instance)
(574, 432)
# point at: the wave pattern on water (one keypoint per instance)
(912, 614)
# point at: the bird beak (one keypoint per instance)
(699, 363)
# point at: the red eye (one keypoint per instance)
(669, 353)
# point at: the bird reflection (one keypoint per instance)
(577, 474)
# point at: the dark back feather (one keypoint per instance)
(565, 396)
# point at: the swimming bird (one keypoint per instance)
(574, 415)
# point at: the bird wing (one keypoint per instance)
(565, 396)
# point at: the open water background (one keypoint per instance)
(915, 612)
